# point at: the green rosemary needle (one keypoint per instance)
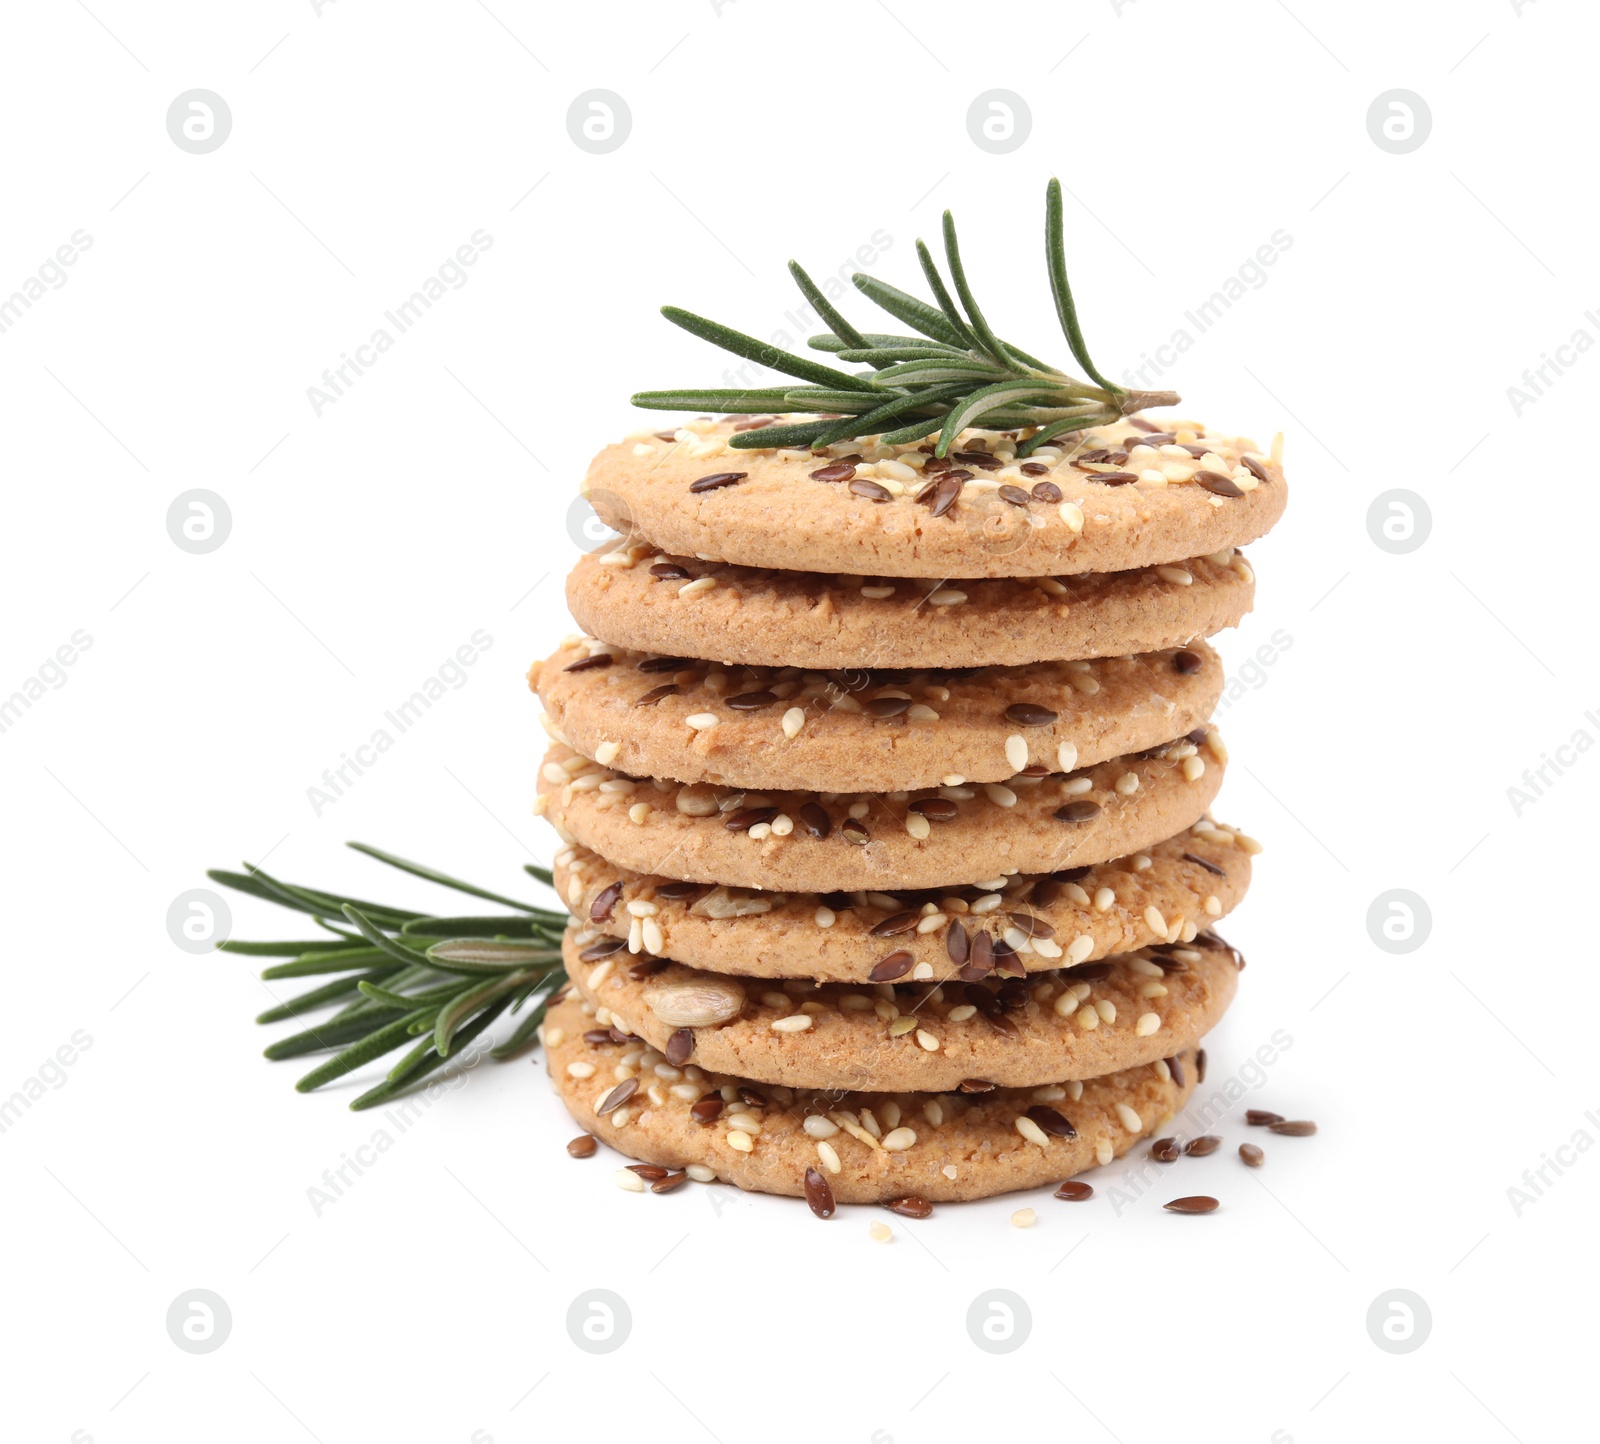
(435, 982)
(956, 373)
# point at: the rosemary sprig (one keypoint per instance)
(957, 373)
(430, 980)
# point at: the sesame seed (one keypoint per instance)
(1130, 1119)
(1087, 1018)
(1031, 1130)
(606, 753)
(829, 1156)
(946, 597)
(1072, 515)
(1067, 756)
(1175, 574)
(1128, 784)
(580, 1069)
(999, 794)
(824, 917)
(925, 1040)
(1024, 1218)
(1107, 1010)
(796, 1023)
(697, 588)
(700, 1173)
(1104, 1152)
(897, 1140)
(702, 721)
(1154, 921)
(1104, 898)
(1147, 1024)
(740, 1141)
(1016, 752)
(880, 1232)
(918, 826)
(628, 1181)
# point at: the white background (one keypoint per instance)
(368, 543)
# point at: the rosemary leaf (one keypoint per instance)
(387, 1090)
(979, 404)
(741, 401)
(343, 960)
(953, 317)
(481, 957)
(453, 1014)
(1055, 252)
(877, 341)
(433, 998)
(919, 315)
(798, 434)
(824, 308)
(481, 927)
(428, 874)
(525, 1030)
(763, 353)
(273, 950)
(321, 997)
(374, 1045)
(370, 931)
(330, 1034)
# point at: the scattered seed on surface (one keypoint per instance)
(1200, 1147)
(1024, 1218)
(583, 1146)
(1294, 1128)
(1252, 1156)
(1165, 1150)
(911, 1206)
(1075, 1192)
(1194, 1203)
(1258, 1117)
(819, 1196)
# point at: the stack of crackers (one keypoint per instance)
(884, 781)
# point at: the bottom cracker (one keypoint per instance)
(975, 1149)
